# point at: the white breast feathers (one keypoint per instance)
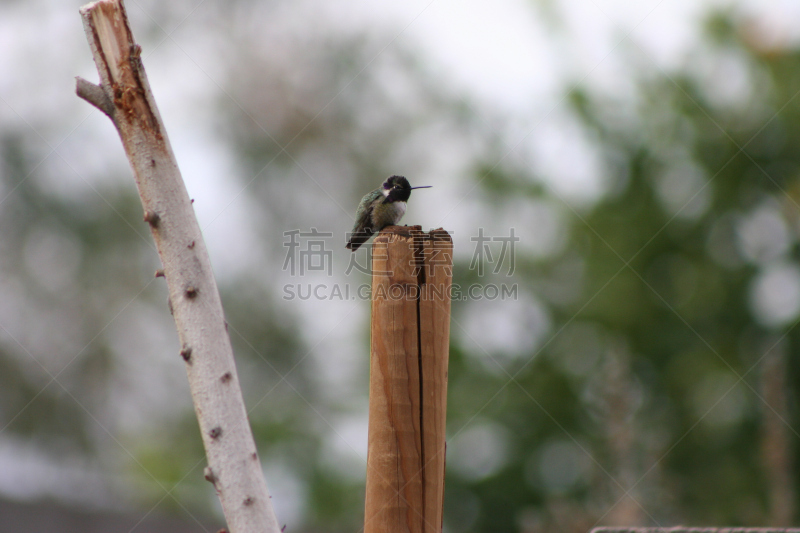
(398, 210)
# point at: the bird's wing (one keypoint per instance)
(362, 230)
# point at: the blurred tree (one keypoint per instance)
(644, 406)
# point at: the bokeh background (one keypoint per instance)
(646, 154)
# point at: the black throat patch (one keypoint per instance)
(397, 195)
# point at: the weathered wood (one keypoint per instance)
(408, 380)
(684, 529)
(124, 95)
(434, 320)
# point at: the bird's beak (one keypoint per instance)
(423, 187)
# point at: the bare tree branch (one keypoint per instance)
(95, 95)
(124, 95)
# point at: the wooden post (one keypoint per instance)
(124, 95)
(411, 279)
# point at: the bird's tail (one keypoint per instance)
(356, 239)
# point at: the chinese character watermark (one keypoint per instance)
(314, 257)
(311, 251)
(483, 252)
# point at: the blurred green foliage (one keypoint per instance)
(670, 401)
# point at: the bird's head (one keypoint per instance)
(398, 186)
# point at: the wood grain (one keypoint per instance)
(408, 380)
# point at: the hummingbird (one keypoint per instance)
(384, 206)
